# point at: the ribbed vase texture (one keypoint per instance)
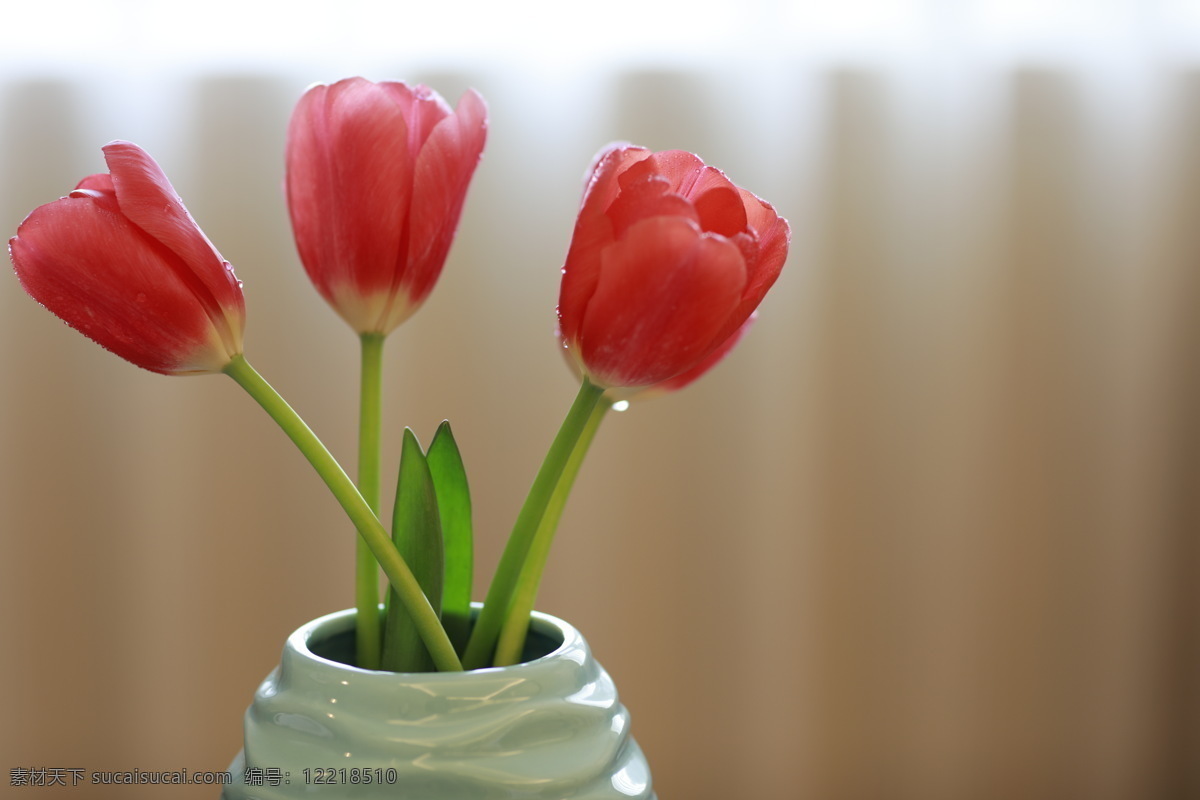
(546, 729)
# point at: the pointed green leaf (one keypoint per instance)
(454, 510)
(417, 533)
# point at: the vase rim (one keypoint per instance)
(568, 638)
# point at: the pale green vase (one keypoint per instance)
(546, 729)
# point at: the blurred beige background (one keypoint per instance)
(930, 532)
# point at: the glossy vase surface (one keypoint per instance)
(548, 728)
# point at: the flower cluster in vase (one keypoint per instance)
(667, 264)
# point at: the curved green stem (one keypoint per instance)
(366, 567)
(482, 644)
(516, 622)
(348, 496)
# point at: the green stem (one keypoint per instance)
(366, 575)
(516, 623)
(348, 496)
(499, 598)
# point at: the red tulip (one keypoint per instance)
(668, 261)
(122, 261)
(376, 178)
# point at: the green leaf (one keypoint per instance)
(417, 533)
(454, 510)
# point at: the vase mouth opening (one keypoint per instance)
(331, 639)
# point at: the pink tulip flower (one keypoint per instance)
(376, 178)
(122, 261)
(668, 261)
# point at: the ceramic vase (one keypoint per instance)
(548, 728)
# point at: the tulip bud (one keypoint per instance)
(668, 261)
(376, 178)
(122, 261)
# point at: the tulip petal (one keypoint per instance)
(100, 183)
(664, 292)
(100, 189)
(689, 376)
(371, 192)
(712, 199)
(773, 236)
(309, 174)
(593, 232)
(349, 186)
(709, 361)
(444, 167)
(649, 197)
(103, 276)
(149, 201)
(773, 231)
(603, 180)
(421, 107)
(681, 168)
(721, 210)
